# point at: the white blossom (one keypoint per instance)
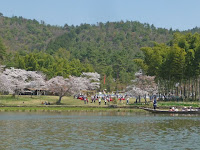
(78, 84)
(5, 84)
(142, 85)
(58, 85)
(92, 76)
(73, 85)
(94, 80)
(18, 79)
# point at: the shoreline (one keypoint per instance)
(67, 109)
(27, 103)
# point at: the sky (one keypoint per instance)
(175, 14)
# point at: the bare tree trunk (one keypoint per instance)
(13, 95)
(195, 96)
(59, 100)
(184, 90)
(165, 88)
(199, 90)
(145, 98)
(189, 89)
(192, 89)
(181, 89)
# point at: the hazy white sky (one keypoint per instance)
(178, 14)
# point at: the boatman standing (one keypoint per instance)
(154, 103)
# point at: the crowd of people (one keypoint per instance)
(102, 98)
(106, 99)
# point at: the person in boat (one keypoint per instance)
(171, 109)
(184, 109)
(154, 103)
(175, 109)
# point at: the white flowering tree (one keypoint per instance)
(59, 85)
(143, 85)
(94, 80)
(15, 80)
(78, 84)
(4, 84)
(1, 68)
(72, 85)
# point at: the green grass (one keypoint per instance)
(67, 109)
(34, 103)
(178, 104)
(26, 100)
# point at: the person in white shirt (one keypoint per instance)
(99, 100)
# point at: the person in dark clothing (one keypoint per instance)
(84, 100)
(154, 103)
(105, 100)
(99, 100)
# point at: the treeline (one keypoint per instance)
(176, 66)
(110, 47)
(50, 65)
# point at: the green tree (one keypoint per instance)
(2, 49)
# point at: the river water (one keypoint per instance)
(98, 130)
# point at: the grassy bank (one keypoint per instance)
(68, 109)
(26, 100)
(179, 104)
(25, 103)
(35, 103)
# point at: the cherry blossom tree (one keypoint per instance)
(78, 84)
(59, 85)
(143, 85)
(73, 85)
(94, 80)
(87, 81)
(15, 80)
(1, 68)
(4, 84)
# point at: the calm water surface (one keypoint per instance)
(89, 130)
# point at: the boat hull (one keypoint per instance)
(172, 112)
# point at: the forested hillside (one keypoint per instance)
(107, 48)
(20, 34)
(110, 47)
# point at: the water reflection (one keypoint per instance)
(102, 130)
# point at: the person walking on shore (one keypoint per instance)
(99, 100)
(154, 103)
(84, 98)
(105, 100)
(127, 100)
(92, 98)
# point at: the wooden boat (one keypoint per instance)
(193, 111)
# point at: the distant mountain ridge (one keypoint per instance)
(23, 34)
